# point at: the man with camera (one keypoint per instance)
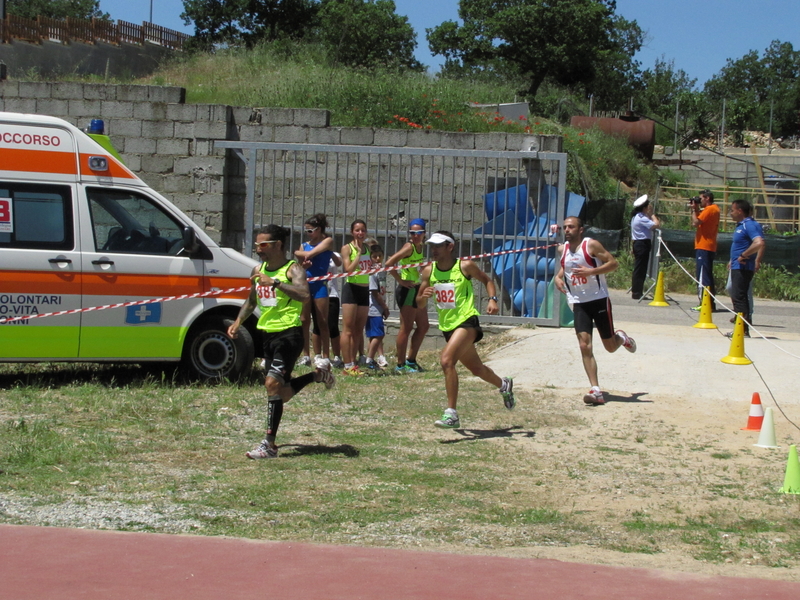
(705, 220)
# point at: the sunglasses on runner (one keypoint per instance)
(311, 230)
(418, 232)
(262, 245)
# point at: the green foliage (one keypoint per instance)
(566, 42)
(247, 22)
(367, 33)
(754, 85)
(56, 9)
(295, 75)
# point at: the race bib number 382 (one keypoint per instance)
(445, 295)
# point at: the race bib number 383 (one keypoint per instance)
(445, 295)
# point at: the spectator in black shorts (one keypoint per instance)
(406, 294)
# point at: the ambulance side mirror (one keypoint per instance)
(190, 243)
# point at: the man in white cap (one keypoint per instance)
(584, 263)
(449, 279)
(642, 225)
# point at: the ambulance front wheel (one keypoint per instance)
(211, 354)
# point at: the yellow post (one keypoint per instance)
(705, 321)
(736, 352)
(658, 297)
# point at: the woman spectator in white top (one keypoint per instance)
(642, 225)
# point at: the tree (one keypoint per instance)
(661, 88)
(367, 33)
(56, 9)
(618, 75)
(567, 42)
(248, 22)
(753, 86)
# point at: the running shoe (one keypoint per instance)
(594, 397)
(402, 370)
(326, 377)
(263, 450)
(322, 363)
(507, 391)
(627, 342)
(337, 362)
(382, 362)
(372, 368)
(697, 308)
(353, 371)
(449, 420)
(413, 367)
(304, 361)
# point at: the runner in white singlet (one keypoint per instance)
(584, 263)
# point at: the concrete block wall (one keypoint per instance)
(170, 144)
(737, 165)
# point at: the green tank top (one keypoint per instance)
(411, 274)
(455, 302)
(278, 311)
(364, 263)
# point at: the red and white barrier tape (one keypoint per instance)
(327, 277)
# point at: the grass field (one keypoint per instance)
(113, 447)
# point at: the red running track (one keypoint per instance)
(49, 562)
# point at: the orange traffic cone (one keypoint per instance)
(705, 321)
(736, 352)
(658, 296)
(756, 417)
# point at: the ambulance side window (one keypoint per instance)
(36, 217)
(130, 223)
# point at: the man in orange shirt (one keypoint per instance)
(705, 219)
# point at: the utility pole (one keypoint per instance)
(151, 11)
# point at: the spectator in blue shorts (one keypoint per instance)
(378, 311)
(315, 256)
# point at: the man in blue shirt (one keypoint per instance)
(748, 239)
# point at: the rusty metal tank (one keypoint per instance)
(640, 133)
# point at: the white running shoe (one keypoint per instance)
(594, 397)
(382, 362)
(322, 363)
(262, 451)
(326, 377)
(627, 342)
(304, 361)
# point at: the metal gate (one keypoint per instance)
(492, 201)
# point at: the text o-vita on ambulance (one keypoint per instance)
(78, 230)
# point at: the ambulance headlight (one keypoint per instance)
(98, 163)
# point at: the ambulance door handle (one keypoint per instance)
(55, 261)
(103, 261)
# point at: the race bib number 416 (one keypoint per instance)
(445, 295)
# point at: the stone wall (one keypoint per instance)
(738, 165)
(170, 144)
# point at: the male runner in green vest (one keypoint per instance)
(279, 290)
(449, 281)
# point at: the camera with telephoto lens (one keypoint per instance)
(694, 201)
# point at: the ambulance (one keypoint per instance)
(78, 230)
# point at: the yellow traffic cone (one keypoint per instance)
(658, 297)
(736, 352)
(705, 321)
(791, 482)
